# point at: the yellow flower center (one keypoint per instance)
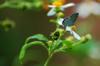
(57, 3)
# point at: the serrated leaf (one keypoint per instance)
(26, 46)
(38, 37)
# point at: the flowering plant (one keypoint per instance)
(57, 41)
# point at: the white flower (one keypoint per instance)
(62, 8)
(68, 28)
(85, 9)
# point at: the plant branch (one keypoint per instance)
(48, 59)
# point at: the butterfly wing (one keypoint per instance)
(65, 21)
(70, 20)
(73, 18)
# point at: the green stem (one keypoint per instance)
(48, 59)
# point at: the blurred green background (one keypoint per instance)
(33, 21)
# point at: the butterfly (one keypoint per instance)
(70, 21)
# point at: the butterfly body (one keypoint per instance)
(70, 21)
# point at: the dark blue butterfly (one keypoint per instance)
(70, 21)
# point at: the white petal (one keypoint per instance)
(67, 5)
(76, 35)
(68, 28)
(73, 33)
(51, 6)
(59, 21)
(51, 12)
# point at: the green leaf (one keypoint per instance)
(38, 37)
(56, 45)
(65, 45)
(80, 50)
(26, 46)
